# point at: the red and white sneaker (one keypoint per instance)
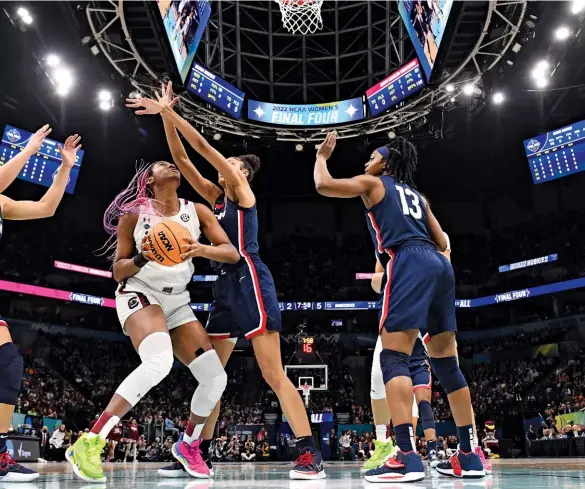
(486, 465)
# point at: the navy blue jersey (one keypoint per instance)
(400, 217)
(241, 226)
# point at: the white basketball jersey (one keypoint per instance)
(173, 279)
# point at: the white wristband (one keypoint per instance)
(448, 241)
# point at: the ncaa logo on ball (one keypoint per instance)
(13, 135)
(533, 145)
(185, 217)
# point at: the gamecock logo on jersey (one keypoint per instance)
(13, 135)
(533, 145)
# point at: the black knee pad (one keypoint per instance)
(11, 370)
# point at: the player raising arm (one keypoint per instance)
(245, 301)
(420, 285)
(11, 363)
(10, 170)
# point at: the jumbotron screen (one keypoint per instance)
(185, 22)
(41, 167)
(426, 22)
(556, 154)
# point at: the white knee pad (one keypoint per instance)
(156, 353)
(378, 390)
(210, 374)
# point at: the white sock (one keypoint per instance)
(105, 431)
(381, 431)
(195, 436)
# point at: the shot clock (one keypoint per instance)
(307, 349)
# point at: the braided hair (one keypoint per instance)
(402, 160)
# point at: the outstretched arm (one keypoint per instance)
(10, 170)
(46, 207)
(204, 187)
(338, 187)
(221, 249)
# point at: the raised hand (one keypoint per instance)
(192, 249)
(36, 140)
(69, 151)
(148, 106)
(326, 148)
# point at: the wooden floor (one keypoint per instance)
(512, 474)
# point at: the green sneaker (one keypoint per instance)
(86, 458)
(383, 450)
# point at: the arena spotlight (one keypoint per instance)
(452, 100)
(562, 33)
(105, 105)
(498, 98)
(63, 80)
(52, 60)
(104, 96)
(468, 89)
(391, 135)
(577, 6)
(450, 88)
(299, 147)
(217, 136)
(540, 70)
(24, 15)
(541, 82)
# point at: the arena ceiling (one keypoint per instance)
(360, 43)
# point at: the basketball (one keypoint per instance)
(165, 242)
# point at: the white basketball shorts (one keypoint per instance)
(135, 295)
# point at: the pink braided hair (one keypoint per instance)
(128, 201)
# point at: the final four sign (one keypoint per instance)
(307, 115)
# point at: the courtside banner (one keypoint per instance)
(528, 263)
(307, 115)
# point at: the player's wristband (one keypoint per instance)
(139, 260)
(448, 241)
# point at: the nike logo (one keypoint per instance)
(242, 278)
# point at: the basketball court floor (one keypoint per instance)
(508, 474)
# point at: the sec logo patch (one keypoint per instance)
(185, 217)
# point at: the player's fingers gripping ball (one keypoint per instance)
(191, 248)
(164, 242)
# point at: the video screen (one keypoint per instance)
(425, 21)
(185, 22)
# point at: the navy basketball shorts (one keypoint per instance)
(244, 302)
(420, 373)
(418, 292)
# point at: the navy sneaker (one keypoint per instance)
(462, 465)
(402, 467)
(175, 470)
(308, 466)
(10, 471)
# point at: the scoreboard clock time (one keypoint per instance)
(307, 349)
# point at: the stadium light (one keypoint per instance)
(540, 70)
(217, 136)
(577, 6)
(53, 60)
(391, 135)
(468, 89)
(498, 98)
(104, 96)
(450, 88)
(562, 33)
(105, 105)
(24, 15)
(63, 79)
(541, 82)
(299, 147)
(452, 100)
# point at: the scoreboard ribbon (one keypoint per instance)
(307, 115)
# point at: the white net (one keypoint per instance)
(306, 393)
(301, 16)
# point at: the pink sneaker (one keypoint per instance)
(192, 459)
(486, 465)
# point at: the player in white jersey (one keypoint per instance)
(153, 306)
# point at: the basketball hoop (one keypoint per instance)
(301, 16)
(306, 388)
